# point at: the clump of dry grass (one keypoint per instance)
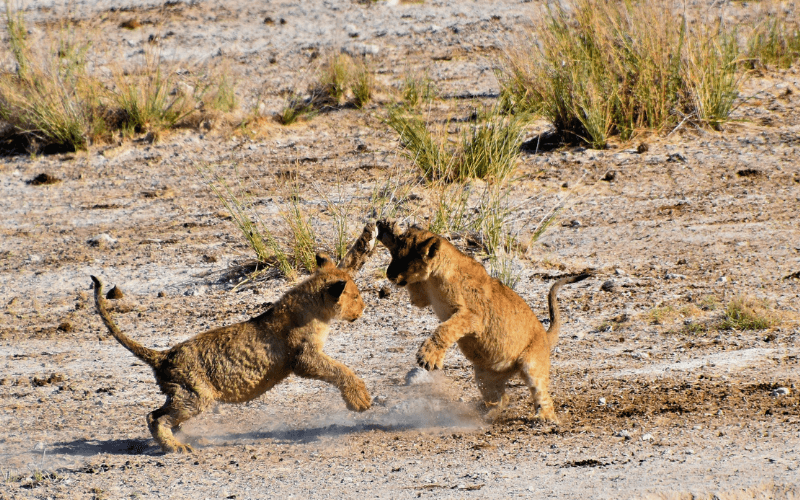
(52, 101)
(49, 99)
(747, 313)
(416, 89)
(775, 38)
(489, 148)
(149, 97)
(339, 81)
(598, 69)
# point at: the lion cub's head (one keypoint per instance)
(413, 252)
(341, 296)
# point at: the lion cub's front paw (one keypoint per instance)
(176, 447)
(548, 417)
(429, 356)
(357, 397)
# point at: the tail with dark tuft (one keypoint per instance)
(552, 303)
(149, 356)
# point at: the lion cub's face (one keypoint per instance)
(412, 256)
(341, 292)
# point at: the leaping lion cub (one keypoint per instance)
(240, 362)
(494, 328)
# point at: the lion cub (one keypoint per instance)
(493, 326)
(240, 362)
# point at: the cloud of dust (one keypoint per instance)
(430, 405)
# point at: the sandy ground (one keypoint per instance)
(647, 409)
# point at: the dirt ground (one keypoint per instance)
(648, 409)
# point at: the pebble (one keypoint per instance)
(623, 434)
(781, 391)
(673, 157)
(601, 401)
(101, 240)
(418, 376)
(722, 279)
(362, 49)
(647, 437)
(608, 285)
(195, 292)
(674, 276)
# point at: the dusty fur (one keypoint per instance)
(240, 362)
(494, 328)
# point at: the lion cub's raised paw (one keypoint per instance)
(429, 356)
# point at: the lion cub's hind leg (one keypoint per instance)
(493, 390)
(181, 405)
(536, 374)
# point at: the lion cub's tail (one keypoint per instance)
(555, 314)
(149, 356)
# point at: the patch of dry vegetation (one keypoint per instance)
(598, 69)
(52, 102)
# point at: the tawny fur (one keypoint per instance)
(494, 328)
(240, 362)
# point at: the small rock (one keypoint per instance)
(642, 148)
(676, 157)
(690, 451)
(623, 434)
(162, 294)
(608, 286)
(43, 179)
(610, 176)
(601, 402)
(196, 292)
(115, 293)
(384, 292)
(101, 241)
(351, 31)
(781, 391)
(619, 272)
(565, 185)
(65, 326)
(647, 437)
(674, 276)
(722, 279)
(418, 376)
(362, 49)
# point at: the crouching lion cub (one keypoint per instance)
(493, 326)
(240, 362)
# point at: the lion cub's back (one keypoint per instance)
(512, 321)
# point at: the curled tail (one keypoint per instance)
(149, 356)
(552, 303)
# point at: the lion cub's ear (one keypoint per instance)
(324, 261)
(430, 248)
(335, 289)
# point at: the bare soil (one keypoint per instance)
(650, 406)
